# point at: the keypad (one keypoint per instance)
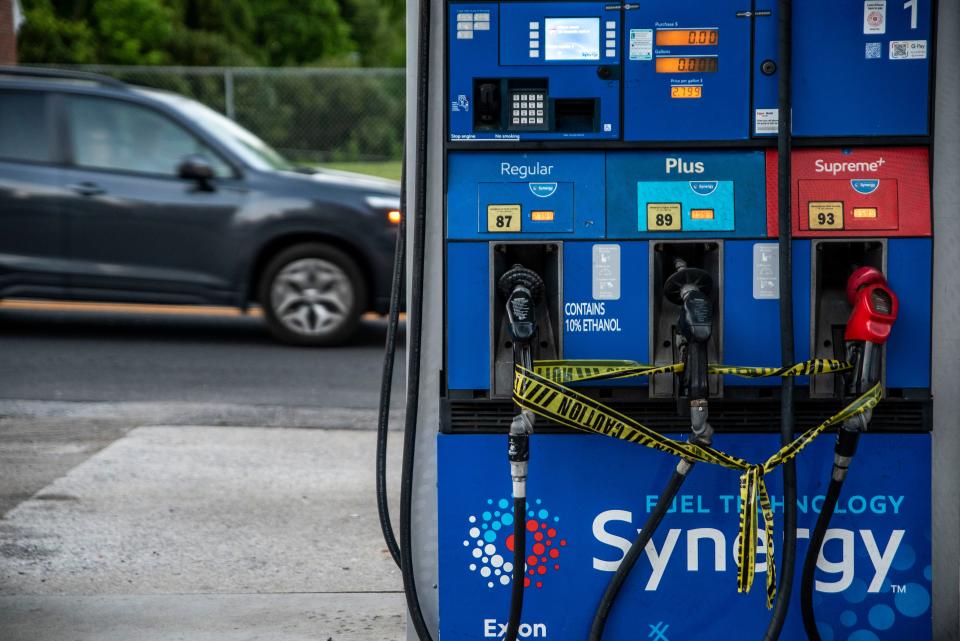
(528, 110)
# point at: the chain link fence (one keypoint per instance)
(311, 115)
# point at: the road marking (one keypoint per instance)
(137, 308)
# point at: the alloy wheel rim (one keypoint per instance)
(311, 296)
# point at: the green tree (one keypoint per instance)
(47, 37)
(133, 31)
(298, 32)
(377, 26)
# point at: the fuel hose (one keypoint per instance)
(415, 325)
(784, 241)
(846, 448)
(386, 378)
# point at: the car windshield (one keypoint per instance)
(252, 149)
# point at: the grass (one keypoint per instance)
(383, 169)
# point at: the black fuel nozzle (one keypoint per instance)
(522, 289)
(690, 288)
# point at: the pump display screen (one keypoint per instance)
(698, 64)
(571, 39)
(687, 37)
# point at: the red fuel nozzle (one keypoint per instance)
(874, 307)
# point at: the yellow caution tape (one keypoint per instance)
(565, 406)
(575, 371)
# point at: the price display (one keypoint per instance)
(686, 91)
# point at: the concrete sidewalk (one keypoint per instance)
(204, 533)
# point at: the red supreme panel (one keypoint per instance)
(865, 191)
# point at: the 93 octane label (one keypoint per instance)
(825, 215)
(503, 218)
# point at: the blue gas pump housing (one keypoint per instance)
(596, 142)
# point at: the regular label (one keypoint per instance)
(503, 218)
(606, 272)
(641, 44)
(663, 217)
(766, 274)
(825, 215)
(875, 16)
(766, 121)
(908, 49)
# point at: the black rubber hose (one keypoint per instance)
(845, 450)
(633, 555)
(788, 555)
(519, 567)
(813, 553)
(386, 378)
(415, 327)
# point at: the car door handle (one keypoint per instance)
(87, 188)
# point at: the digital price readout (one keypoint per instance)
(686, 91)
(687, 37)
(687, 64)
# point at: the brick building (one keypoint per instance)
(10, 18)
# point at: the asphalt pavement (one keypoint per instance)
(169, 476)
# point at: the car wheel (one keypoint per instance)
(312, 294)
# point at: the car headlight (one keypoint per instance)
(388, 204)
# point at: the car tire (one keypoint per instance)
(312, 294)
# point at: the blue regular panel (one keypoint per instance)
(686, 71)
(468, 316)
(534, 70)
(567, 186)
(605, 327)
(718, 194)
(859, 68)
(909, 268)
(588, 495)
(751, 327)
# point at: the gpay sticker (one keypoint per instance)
(875, 16)
(908, 49)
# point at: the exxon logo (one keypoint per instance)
(865, 185)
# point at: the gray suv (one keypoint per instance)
(110, 192)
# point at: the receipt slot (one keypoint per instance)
(534, 70)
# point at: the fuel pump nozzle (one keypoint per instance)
(690, 289)
(875, 309)
(522, 289)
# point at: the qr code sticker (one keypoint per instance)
(898, 49)
(873, 50)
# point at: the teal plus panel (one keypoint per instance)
(705, 205)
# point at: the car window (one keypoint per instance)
(23, 126)
(113, 134)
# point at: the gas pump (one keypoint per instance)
(623, 154)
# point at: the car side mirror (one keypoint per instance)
(196, 167)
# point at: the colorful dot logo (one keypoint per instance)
(489, 543)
